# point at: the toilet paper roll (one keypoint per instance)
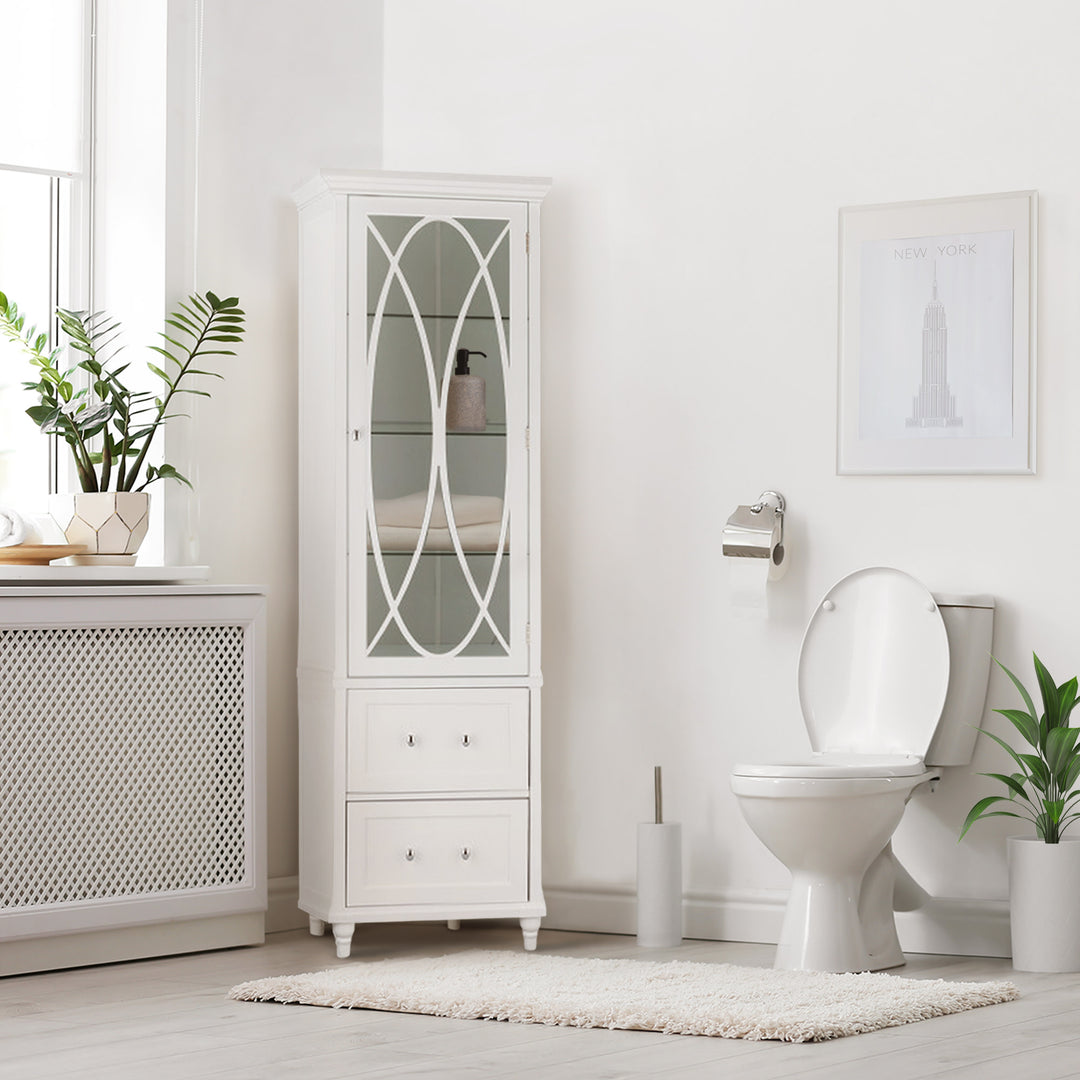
(748, 586)
(659, 885)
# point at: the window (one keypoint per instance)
(45, 82)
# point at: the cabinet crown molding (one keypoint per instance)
(422, 185)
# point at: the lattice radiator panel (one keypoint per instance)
(122, 763)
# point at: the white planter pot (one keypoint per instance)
(1044, 881)
(111, 524)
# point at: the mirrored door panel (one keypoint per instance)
(443, 380)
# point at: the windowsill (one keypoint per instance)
(60, 574)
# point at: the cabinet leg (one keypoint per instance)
(529, 930)
(316, 926)
(343, 932)
(453, 924)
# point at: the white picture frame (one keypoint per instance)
(937, 336)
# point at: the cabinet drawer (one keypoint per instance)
(438, 740)
(465, 851)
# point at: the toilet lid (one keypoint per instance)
(874, 666)
(838, 765)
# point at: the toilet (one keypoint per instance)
(892, 684)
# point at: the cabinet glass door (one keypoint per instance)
(438, 370)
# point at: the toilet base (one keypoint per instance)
(831, 906)
(834, 836)
(852, 919)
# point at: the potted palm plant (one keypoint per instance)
(108, 427)
(1042, 789)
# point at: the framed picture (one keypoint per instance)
(937, 336)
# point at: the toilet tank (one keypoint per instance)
(969, 624)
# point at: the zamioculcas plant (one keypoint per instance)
(108, 427)
(1043, 789)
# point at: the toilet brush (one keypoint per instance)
(659, 877)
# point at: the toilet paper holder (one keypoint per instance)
(757, 531)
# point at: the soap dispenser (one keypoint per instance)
(466, 405)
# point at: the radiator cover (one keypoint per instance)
(131, 747)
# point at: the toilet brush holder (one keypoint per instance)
(659, 880)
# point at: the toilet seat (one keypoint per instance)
(837, 766)
(874, 667)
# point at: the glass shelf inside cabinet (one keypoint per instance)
(431, 315)
(420, 427)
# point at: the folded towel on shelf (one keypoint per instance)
(15, 529)
(407, 512)
(478, 519)
(472, 537)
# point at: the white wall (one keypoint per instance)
(700, 153)
(288, 89)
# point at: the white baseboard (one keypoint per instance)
(282, 912)
(957, 927)
(109, 945)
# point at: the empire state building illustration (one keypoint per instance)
(934, 404)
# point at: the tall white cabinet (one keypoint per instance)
(419, 649)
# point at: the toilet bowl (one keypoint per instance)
(892, 685)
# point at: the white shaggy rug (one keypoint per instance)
(676, 997)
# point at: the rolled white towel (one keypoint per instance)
(12, 527)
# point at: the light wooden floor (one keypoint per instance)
(169, 1019)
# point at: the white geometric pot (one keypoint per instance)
(111, 524)
(1044, 882)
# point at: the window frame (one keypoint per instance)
(71, 232)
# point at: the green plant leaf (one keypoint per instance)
(167, 472)
(1013, 783)
(44, 416)
(1025, 723)
(183, 323)
(173, 341)
(159, 373)
(187, 326)
(982, 809)
(1072, 774)
(1040, 774)
(1019, 686)
(1009, 750)
(1048, 690)
(1061, 749)
(1066, 701)
(165, 352)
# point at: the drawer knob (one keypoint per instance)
(410, 739)
(409, 854)
(465, 739)
(466, 854)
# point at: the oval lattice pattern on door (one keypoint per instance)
(440, 591)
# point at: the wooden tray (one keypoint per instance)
(37, 554)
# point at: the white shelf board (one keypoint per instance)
(61, 574)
